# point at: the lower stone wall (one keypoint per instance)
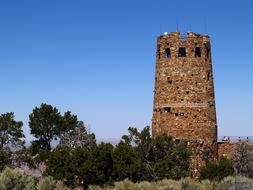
(226, 149)
(201, 152)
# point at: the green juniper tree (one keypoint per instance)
(11, 133)
(11, 138)
(81, 166)
(126, 161)
(160, 157)
(45, 124)
(217, 170)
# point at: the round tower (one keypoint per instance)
(184, 102)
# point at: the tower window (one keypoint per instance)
(167, 53)
(169, 80)
(197, 52)
(167, 109)
(181, 52)
(208, 76)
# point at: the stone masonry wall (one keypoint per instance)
(226, 149)
(184, 102)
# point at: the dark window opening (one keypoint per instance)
(169, 80)
(181, 52)
(197, 52)
(208, 76)
(167, 52)
(187, 92)
(167, 109)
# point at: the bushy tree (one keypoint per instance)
(170, 158)
(126, 162)
(5, 158)
(93, 166)
(243, 159)
(59, 165)
(217, 170)
(11, 133)
(48, 125)
(136, 157)
(81, 166)
(142, 143)
(45, 126)
(102, 156)
(11, 139)
(160, 157)
(24, 156)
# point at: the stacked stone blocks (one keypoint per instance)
(184, 101)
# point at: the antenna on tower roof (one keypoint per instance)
(177, 28)
(205, 27)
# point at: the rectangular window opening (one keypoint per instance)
(197, 52)
(181, 52)
(167, 53)
(167, 109)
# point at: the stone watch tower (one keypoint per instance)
(184, 103)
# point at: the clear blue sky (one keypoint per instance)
(96, 58)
